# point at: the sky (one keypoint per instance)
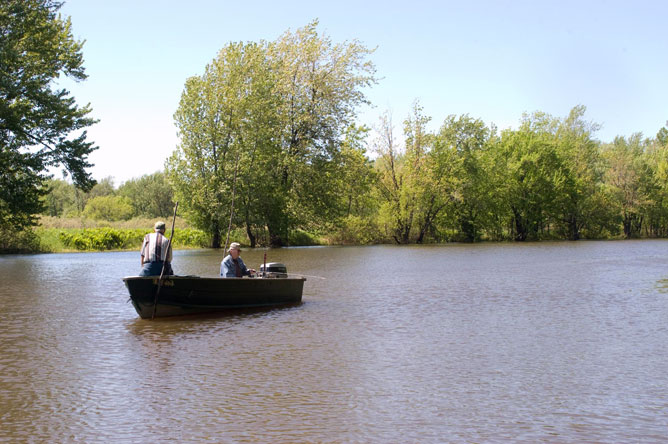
(492, 60)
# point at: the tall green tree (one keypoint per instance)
(397, 211)
(580, 200)
(534, 173)
(226, 120)
(657, 208)
(458, 151)
(413, 180)
(41, 126)
(629, 180)
(320, 85)
(265, 124)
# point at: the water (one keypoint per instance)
(546, 342)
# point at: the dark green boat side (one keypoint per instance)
(181, 295)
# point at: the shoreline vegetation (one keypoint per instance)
(79, 234)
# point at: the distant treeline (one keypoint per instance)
(147, 196)
(467, 182)
(548, 179)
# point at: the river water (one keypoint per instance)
(546, 342)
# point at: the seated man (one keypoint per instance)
(155, 254)
(232, 265)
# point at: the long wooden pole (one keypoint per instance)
(164, 263)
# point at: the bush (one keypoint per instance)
(18, 241)
(109, 208)
(299, 237)
(95, 239)
(101, 239)
(356, 230)
(189, 237)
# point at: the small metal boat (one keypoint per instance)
(181, 295)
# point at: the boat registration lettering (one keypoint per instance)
(165, 282)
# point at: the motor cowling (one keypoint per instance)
(274, 270)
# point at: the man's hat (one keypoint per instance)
(235, 246)
(159, 225)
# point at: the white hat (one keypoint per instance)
(234, 246)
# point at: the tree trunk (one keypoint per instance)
(573, 228)
(468, 227)
(522, 231)
(251, 237)
(215, 238)
(632, 225)
(275, 240)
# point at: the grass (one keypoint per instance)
(59, 235)
(132, 224)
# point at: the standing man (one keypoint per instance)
(155, 254)
(232, 265)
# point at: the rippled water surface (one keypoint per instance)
(549, 342)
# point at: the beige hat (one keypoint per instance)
(159, 225)
(234, 246)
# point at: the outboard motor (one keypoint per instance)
(274, 270)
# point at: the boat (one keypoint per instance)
(184, 295)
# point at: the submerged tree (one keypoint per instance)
(458, 154)
(38, 123)
(533, 173)
(629, 180)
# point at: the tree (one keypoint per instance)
(534, 175)
(662, 136)
(321, 85)
(580, 191)
(151, 195)
(397, 210)
(657, 208)
(38, 124)
(109, 208)
(457, 157)
(60, 198)
(228, 149)
(629, 179)
(412, 185)
(265, 125)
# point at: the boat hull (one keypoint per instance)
(182, 295)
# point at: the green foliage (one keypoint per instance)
(262, 132)
(95, 239)
(13, 240)
(36, 120)
(356, 230)
(300, 237)
(459, 164)
(630, 181)
(150, 195)
(100, 239)
(415, 183)
(662, 136)
(109, 208)
(189, 237)
(60, 199)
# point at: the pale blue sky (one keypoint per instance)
(491, 59)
